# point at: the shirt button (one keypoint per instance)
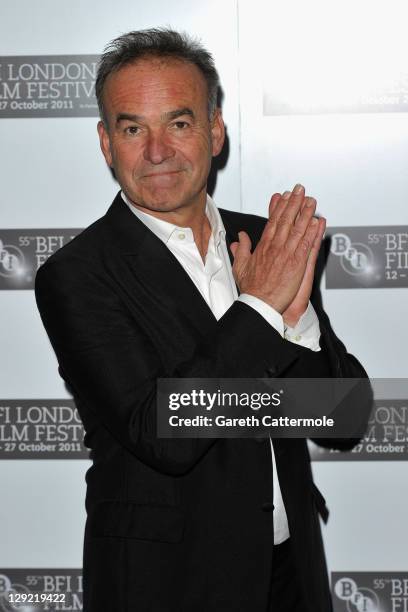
(181, 236)
(268, 507)
(298, 338)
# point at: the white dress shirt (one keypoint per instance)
(215, 281)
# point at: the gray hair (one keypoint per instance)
(156, 42)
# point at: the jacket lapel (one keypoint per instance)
(231, 235)
(156, 268)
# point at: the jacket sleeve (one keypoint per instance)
(111, 366)
(356, 407)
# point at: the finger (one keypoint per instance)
(276, 199)
(273, 203)
(276, 209)
(281, 204)
(302, 207)
(301, 226)
(287, 212)
(314, 252)
(320, 233)
(233, 247)
(241, 250)
(309, 275)
(305, 244)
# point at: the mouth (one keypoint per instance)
(161, 174)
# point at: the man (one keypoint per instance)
(148, 291)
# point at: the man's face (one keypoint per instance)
(159, 138)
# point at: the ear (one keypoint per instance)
(217, 132)
(105, 143)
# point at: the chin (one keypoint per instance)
(155, 205)
(160, 205)
(161, 201)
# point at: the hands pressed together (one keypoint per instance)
(281, 268)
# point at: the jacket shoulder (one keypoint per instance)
(86, 246)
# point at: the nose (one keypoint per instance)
(157, 147)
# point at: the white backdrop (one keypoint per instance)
(355, 164)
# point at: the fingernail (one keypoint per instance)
(314, 221)
(297, 188)
(310, 203)
(286, 195)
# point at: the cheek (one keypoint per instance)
(126, 158)
(199, 153)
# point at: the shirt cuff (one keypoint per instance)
(272, 316)
(306, 332)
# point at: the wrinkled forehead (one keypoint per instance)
(150, 78)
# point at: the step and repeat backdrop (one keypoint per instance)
(313, 92)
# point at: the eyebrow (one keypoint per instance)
(169, 116)
(179, 113)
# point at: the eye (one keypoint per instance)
(132, 130)
(181, 125)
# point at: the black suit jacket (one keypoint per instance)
(176, 525)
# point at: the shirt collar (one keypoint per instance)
(214, 217)
(164, 229)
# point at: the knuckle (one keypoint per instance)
(311, 201)
(285, 220)
(277, 257)
(304, 244)
(284, 225)
(295, 232)
(293, 263)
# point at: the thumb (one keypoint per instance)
(241, 252)
(233, 248)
